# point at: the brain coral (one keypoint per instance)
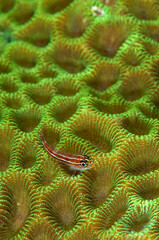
(86, 73)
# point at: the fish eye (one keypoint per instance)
(83, 163)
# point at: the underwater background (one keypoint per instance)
(86, 74)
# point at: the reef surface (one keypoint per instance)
(86, 73)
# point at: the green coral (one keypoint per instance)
(90, 82)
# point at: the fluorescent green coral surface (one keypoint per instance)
(86, 73)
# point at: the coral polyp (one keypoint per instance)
(98, 187)
(71, 59)
(84, 76)
(140, 158)
(63, 210)
(106, 75)
(140, 9)
(6, 135)
(23, 12)
(38, 33)
(141, 222)
(53, 7)
(26, 120)
(107, 219)
(22, 56)
(6, 7)
(106, 38)
(74, 22)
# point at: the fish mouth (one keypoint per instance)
(80, 168)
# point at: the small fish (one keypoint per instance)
(76, 162)
(97, 11)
